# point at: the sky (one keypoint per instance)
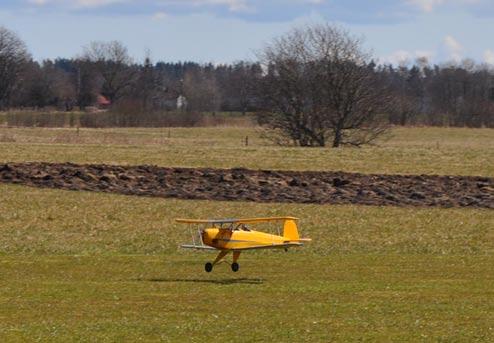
(225, 31)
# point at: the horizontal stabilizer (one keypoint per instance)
(301, 240)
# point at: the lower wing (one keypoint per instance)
(271, 246)
(264, 246)
(197, 247)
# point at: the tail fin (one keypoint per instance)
(290, 230)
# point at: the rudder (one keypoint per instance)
(290, 230)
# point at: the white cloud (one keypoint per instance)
(452, 44)
(38, 2)
(489, 57)
(429, 6)
(404, 57)
(238, 5)
(95, 3)
(454, 48)
(399, 57)
(315, 2)
(451, 50)
(76, 3)
(159, 16)
(426, 5)
(232, 5)
(429, 55)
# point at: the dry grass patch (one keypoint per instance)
(408, 151)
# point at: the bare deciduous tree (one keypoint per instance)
(321, 85)
(13, 55)
(112, 62)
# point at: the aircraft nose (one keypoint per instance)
(207, 235)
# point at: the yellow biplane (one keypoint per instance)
(236, 235)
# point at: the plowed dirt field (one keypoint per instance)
(258, 185)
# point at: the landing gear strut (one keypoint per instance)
(235, 266)
(208, 267)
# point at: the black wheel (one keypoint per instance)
(235, 266)
(208, 267)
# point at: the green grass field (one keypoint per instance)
(81, 266)
(76, 266)
(449, 151)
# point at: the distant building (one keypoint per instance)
(182, 103)
(102, 102)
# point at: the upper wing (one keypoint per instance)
(234, 220)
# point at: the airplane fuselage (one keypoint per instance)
(225, 239)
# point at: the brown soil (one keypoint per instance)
(259, 186)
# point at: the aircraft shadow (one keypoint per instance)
(246, 281)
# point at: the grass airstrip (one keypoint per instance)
(80, 266)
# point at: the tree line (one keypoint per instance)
(107, 69)
(310, 84)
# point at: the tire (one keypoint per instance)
(235, 267)
(208, 267)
